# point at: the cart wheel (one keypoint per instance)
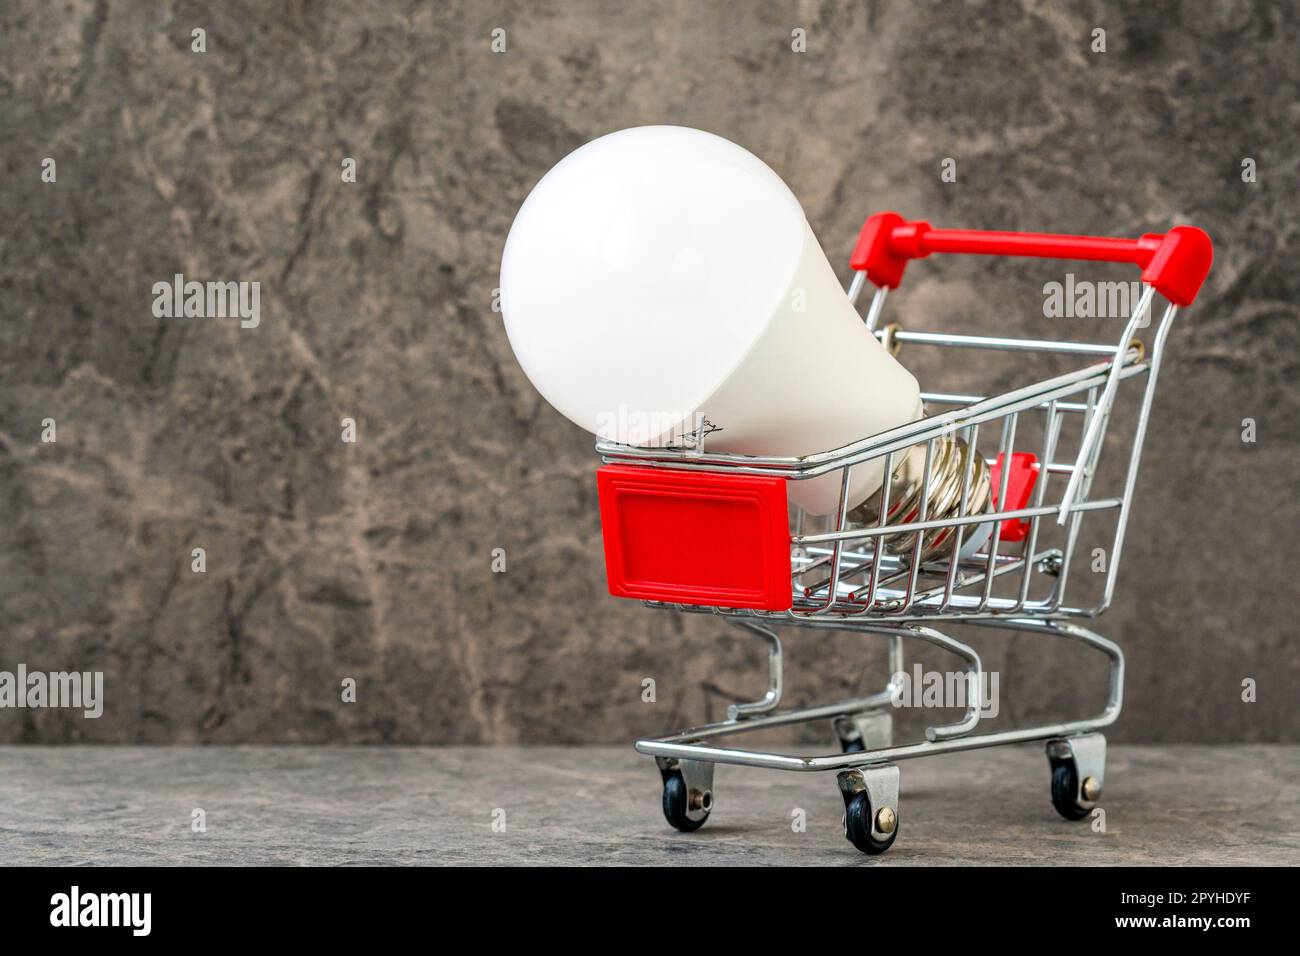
(675, 798)
(853, 747)
(858, 816)
(1065, 784)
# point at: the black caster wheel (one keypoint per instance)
(1065, 784)
(675, 801)
(858, 816)
(852, 747)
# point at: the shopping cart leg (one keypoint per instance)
(870, 807)
(688, 792)
(772, 698)
(1078, 771)
(869, 730)
(872, 728)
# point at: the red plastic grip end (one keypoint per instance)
(885, 244)
(1180, 263)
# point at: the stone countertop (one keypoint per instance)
(1167, 805)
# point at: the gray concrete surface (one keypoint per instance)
(1168, 805)
(372, 560)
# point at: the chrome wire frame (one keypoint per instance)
(691, 744)
(843, 580)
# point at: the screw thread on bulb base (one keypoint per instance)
(951, 460)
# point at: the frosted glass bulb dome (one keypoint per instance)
(638, 272)
(661, 275)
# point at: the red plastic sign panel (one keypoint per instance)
(695, 537)
(1020, 484)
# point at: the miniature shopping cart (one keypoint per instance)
(956, 536)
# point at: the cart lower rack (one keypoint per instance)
(952, 536)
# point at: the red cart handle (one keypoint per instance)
(1175, 262)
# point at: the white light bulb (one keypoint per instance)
(660, 276)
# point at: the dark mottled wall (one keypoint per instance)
(371, 560)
